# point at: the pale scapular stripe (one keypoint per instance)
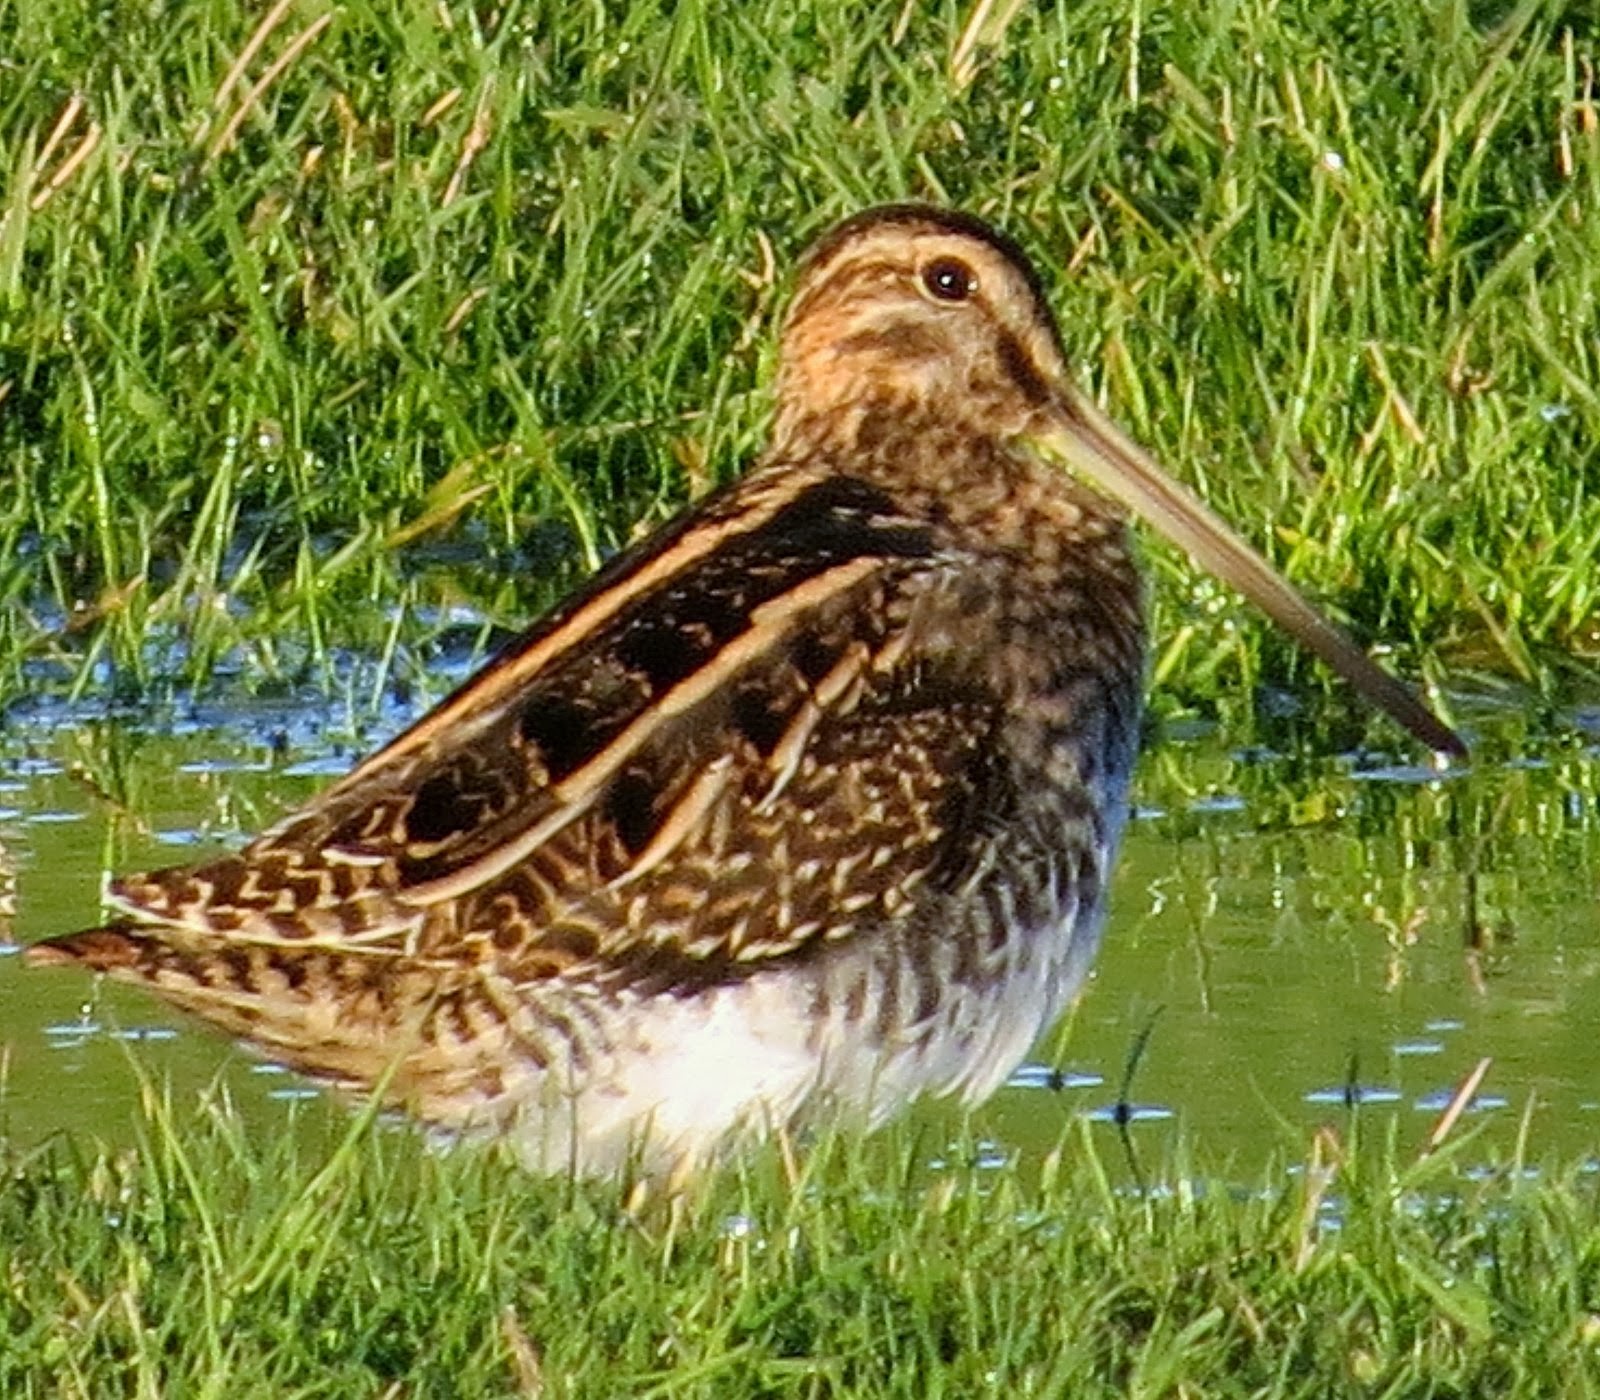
(480, 702)
(684, 817)
(791, 747)
(578, 793)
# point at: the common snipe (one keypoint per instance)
(810, 798)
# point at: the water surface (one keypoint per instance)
(1295, 937)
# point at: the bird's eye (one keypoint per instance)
(949, 279)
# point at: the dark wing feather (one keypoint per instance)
(732, 743)
(750, 841)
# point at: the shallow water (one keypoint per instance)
(1293, 939)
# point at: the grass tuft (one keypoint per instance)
(343, 1257)
(291, 298)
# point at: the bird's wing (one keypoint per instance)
(735, 741)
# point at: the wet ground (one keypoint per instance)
(1294, 938)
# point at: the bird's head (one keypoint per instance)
(908, 314)
(911, 325)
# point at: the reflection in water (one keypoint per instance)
(1299, 937)
(8, 891)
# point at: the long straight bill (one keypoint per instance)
(1094, 447)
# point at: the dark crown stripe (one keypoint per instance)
(926, 218)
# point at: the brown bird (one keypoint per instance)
(808, 800)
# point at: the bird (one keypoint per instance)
(804, 807)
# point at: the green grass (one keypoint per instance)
(206, 1263)
(497, 283)
(434, 304)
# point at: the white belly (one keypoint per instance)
(689, 1075)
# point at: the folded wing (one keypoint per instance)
(740, 741)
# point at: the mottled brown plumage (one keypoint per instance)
(809, 799)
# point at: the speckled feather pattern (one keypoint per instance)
(807, 802)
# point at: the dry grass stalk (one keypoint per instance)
(298, 45)
(272, 19)
(476, 139)
(1459, 1101)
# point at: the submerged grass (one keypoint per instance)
(209, 1263)
(290, 295)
